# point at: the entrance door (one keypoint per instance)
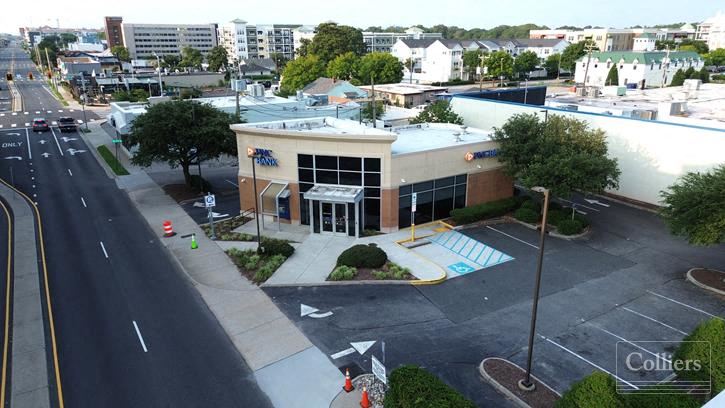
(326, 217)
(340, 219)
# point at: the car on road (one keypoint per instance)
(40, 125)
(67, 124)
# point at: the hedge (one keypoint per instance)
(526, 215)
(532, 205)
(569, 227)
(710, 352)
(363, 256)
(486, 210)
(554, 217)
(274, 246)
(412, 386)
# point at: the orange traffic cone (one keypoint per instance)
(365, 402)
(348, 383)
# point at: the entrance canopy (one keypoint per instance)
(334, 193)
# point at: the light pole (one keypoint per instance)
(526, 384)
(252, 154)
(83, 100)
(158, 66)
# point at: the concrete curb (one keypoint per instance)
(337, 283)
(554, 234)
(505, 391)
(702, 285)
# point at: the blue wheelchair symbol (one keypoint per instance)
(461, 268)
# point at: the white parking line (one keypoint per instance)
(57, 144)
(27, 139)
(686, 305)
(654, 320)
(632, 344)
(103, 247)
(70, 173)
(587, 361)
(13, 125)
(140, 338)
(512, 237)
(84, 202)
(232, 183)
(579, 205)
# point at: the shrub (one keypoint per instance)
(398, 272)
(343, 272)
(381, 275)
(251, 262)
(526, 215)
(553, 205)
(569, 227)
(486, 210)
(270, 266)
(277, 247)
(554, 217)
(593, 391)
(412, 386)
(707, 344)
(531, 205)
(363, 256)
(641, 399)
(582, 219)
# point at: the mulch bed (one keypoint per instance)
(181, 192)
(508, 376)
(709, 277)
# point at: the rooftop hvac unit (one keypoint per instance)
(256, 91)
(644, 114)
(692, 84)
(581, 91)
(239, 85)
(593, 92)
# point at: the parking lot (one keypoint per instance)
(623, 283)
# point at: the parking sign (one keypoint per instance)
(414, 201)
(209, 201)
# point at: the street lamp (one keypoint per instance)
(252, 154)
(526, 384)
(158, 66)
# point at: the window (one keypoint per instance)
(435, 199)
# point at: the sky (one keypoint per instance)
(362, 14)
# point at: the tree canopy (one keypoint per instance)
(344, 66)
(217, 58)
(438, 112)
(121, 53)
(552, 64)
(170, 61)
(679, 78)
(299, 72)
(383, 67)
(562, 154)
(613, 76)
(716, 57)
(331, 40)
(179, 132)
(501, 31)
(304, 47)
(575, 51)
(500, 63)
(472, 60)
(67, 38)
(191, 58)
(367, 110)
(694, 207)
(525, 62)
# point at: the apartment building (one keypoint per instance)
(244, 41)
(712, 31)
(383, 42)
(614, 39)
(645, 69)
(34, 35)
(114, 32)
(304, 32)
(143, 40)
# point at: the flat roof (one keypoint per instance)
(405, 89)
(405, 139)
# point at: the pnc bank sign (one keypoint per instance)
(263, 157)
(480, 155)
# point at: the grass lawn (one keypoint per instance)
(112, 162)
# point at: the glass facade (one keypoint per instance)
(435, 199)
(342, 170)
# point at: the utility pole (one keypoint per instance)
(83, 100)
(664, 67)
(236, 90)
(38, 59)
(590, 46)
(50, 69)
(481, 58)
(372, 91)
(558, 69)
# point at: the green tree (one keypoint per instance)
(191, 58)
(471, 61)
(217, 58)
(575, 51)
(438, 112)
(279, 60)
(170, 61)
(552, 64)
(383, 67)
(344, 66)
(51, 44)
(694, 207)
(67, 38)
(121, 53)
(679, 78)
(499, 64)
(367, 110)
(299, 72)
(704, 75)
(697, 46)
(613, 76)
(562, 154)
(173, 131)
(525, 62)
(304, 47)
(690, 73)
(331, 40)
(716, 57)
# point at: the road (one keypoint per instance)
(131, 329)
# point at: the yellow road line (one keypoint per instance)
(7, 305)
(59, 388)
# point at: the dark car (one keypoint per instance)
(40, 125)
(66, 124)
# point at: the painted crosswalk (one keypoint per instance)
(472, 250)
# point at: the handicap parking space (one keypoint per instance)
(460, 254)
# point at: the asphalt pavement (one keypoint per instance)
(131, 329)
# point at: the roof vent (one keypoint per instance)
(463, 129)
(458, 136)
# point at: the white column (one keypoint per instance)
(357, 221)
(312, 218)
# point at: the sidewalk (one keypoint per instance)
(292, 371)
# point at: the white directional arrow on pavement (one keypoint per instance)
(73, 152)
(361, 347)
(217, 215)
(13, 158)
(198, 204)
(596, 202)
(13, 134)
(42, 141)
(68, 139)
(46, 155)
(312, 312)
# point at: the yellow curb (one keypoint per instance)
(432, 281)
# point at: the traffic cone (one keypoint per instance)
(348, 382)
(168, 229)
(365, 402)
(194, 245)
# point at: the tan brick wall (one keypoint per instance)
(488, 186)
(389, 210)
(246, 191)
(294, 202)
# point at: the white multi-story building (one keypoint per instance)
(143, 40)
(712, 31)
(433, 60)
(644, 42)
(542, 47)
(383, 42)
(646, 69)
(303, 32)
(615, 39)
(244, 41)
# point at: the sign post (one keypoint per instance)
(116, 142)
(413, 202)
(209, 203)
(379, 371)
